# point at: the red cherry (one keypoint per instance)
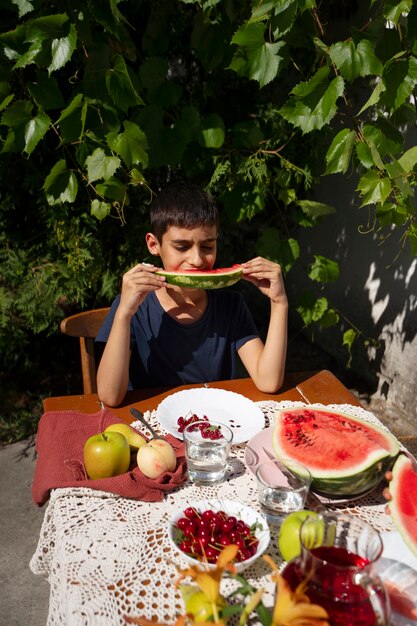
(226, 526)
(224, 539)
(207, 515)
(190, 512)
(245, 554)
(182, 523)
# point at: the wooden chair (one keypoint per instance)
(86, 325)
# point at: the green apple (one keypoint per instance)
(134, 439)
(106, 454)
(289, 533)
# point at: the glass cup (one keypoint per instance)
(337, 564)
(282, 488)
(207, 448)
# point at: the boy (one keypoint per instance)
(158, 334)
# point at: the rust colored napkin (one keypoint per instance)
(60, 443)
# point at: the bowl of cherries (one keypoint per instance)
(201, 530)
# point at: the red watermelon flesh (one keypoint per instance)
(403, 506)
(345, 455)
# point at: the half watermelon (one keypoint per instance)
(346, 456)
(403, 506)
(210, 279)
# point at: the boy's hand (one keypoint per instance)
(267, 276)
(137, 283)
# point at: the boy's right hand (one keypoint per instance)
(137, 283)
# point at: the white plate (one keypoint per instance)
(242, 415)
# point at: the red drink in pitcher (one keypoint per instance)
(337, 557)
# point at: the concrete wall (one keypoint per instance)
(377, 292)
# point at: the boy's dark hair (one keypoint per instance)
(184, 205)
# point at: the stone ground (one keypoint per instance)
(24, 597)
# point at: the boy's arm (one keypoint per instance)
(113, 371)
(265, 363)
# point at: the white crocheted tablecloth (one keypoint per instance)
(106, 556)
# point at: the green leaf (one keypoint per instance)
(46, 28)
(153, 72)
(256, 58)
(99, 165)
(35, 130)
(120, 85)
(311, 308)
(355, 60)
(113, 189)
(100, 209)
(364, 154)
(19, 114)
(315, 209)
(408, 159)
(313, 104)
(323, 270)
(375, 96)
(62, 49)
(385, 136)
(136, 177)
(349, 337)
(400, 78)
(29, 56)
(282, 251)
(131, 145)
(212, 131)
(283, 17)
(374, 188)
(24, 6)
(71, 122)
(380, 139)
(45, 91)
(329, 318)
(339, 154)
(7, 100)
(393, 9)
(60, 185)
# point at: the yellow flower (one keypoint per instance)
(293, 608)
(209, 580)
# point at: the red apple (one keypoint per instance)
(106, 454)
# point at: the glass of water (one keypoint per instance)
(282, 488)
(207, 448)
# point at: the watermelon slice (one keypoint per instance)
(346, 456)
(209, 279)
(403, 506)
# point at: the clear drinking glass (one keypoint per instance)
(207, 450)
(282, 488)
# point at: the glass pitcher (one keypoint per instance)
(338, 556)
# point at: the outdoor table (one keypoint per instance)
(106, 556)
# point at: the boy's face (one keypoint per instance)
(185, 248)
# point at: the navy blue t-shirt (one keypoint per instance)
(167, 353)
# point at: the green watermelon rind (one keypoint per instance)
(204, 280)
(402, 463)
(347, 483)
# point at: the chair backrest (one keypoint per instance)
(86, 325)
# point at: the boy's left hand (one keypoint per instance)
(267, 276)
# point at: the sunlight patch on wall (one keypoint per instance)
(372, 286)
